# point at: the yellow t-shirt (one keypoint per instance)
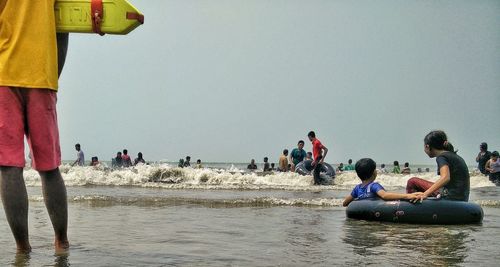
(28, 46)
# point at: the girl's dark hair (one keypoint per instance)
(396, 163)
(438, 140)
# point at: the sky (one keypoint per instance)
(232, 80)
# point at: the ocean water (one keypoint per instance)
(161, 215)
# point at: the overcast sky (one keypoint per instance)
(231, 80)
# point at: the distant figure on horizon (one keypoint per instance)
(181, 163)
(406, 168)
(283, 161)
(198, 164)
(483, 156)
(139, 159)
(382, 168)
(117, 162)
(396, 168)
(319, 153)
(187, 162)
(349, 166)
(127, 162)
(80, 157)
(297, 155)
(95, 161)
(340, 168)
(252, 166)
(266, 165)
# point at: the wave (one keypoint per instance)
(157, 201)
(167, 176)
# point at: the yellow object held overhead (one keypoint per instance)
(97, 16)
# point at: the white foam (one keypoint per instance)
(167, 176)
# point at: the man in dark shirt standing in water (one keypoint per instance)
(319, 154)
(483, 156)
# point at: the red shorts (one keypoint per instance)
(30, 112)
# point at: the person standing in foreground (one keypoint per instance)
(80, 157)
(454, 174)
(29, 69)
(319, 154)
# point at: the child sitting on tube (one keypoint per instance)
(368, 188)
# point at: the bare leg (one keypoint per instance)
(54, 195)
(15, 204)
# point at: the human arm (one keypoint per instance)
(487, 166)
(325, 151)
(444, 178)
(478, 157)
(290, 158)
(395, 196)
(62, 49)
(347, 200)
(77, 160)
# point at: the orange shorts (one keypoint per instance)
(30, 112)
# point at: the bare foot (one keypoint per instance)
(61, 247)
(23, 248)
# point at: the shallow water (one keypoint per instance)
(257, 223)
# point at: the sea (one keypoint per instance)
(222, 215)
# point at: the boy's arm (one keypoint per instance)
(347, 200)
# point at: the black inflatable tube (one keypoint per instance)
(430, 211)
(305, 168)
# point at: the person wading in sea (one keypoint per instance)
(319, 154)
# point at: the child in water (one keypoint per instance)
(406, 168)
(396, 168)
(492, 166)
(454, 180)
(366, 171)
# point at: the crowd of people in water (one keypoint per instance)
(122, 159)
(488, 162)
